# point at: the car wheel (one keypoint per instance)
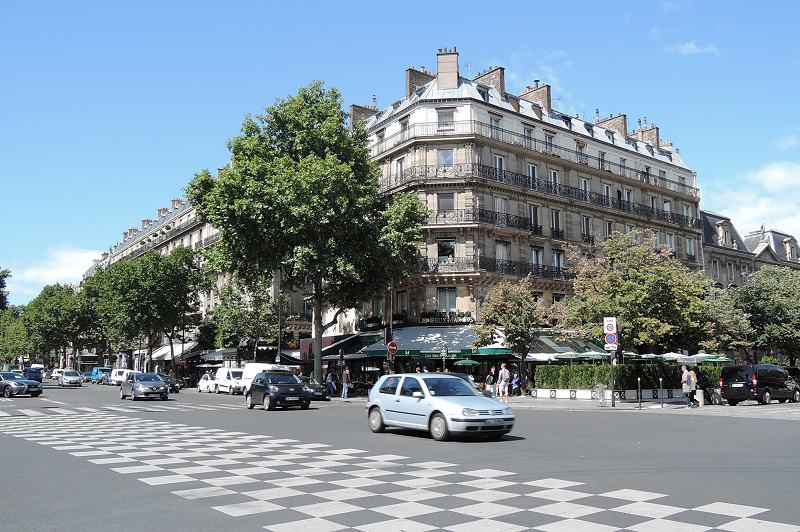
(766, 398)
(376, 420)
(177, 390)
(133, 395)
(216, 388)
(268, 403)
(164, 397)
(438, 428)
(781, 401)
(248, 401)
(733, 403)
(198, 389)
(121, 393)
(796, 396)
(305, 406)
(8, 392)
(230, 390)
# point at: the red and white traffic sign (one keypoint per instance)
(183, 362)
(609, 325)
(391, 347)
(611, 338)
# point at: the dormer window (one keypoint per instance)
(484, 94)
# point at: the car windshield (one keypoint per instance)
(72, 374)
(146, 377)
(282, 379)
(11, 376)
(448, 387)
(236, 374)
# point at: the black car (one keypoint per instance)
(318, 391)
(794, 372)
(172, 384)
(33, 374)
(759, 382)
(278, 388)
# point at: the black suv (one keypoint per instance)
(278, 388)
(760, 382)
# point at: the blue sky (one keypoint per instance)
(109, 108)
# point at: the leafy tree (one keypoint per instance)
(771, 300)
(52, 320)
(246, 312)
(4, 274)
(657, 301)
(14, 339)
(515, 309)
(301, 195)
(728, 326)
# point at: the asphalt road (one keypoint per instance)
(717, 468)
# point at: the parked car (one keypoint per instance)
(70, 378)
(172, 383)
(229, 380)
(438, 403)
(206, 383)
(278, 388)
(319, 392)
(12, 384)
(87, 376)
(33, 374)
(759, 382)
(97, 372)
(794, 372)
(143, 385)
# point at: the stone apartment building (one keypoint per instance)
(510, 182)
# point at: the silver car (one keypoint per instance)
(441, 404)
(70, 378)
(12, 384)
(138, 385)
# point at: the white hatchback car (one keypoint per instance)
(207, 383)
(439, 403)
(70, 378)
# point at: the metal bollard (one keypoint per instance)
(639, 385)
(661, 390)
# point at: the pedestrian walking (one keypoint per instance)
(491, 381)
(345, 382)
(331, 384)
(693, 386)
(503, 381)
(686, 386)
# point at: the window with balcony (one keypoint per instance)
(671, 241)
(607, 195)
(651, 201)
(446, 296)
(536, 256)
(499, 163)
(609, 228)
(400, 166)
(527, 138)
(447, 250)
(500, 209)
(667, 206)
(444, 158)
(690, 255)
(555, 224)
(554, 177)
(584, 189)
(602, 161)
(446, 202)
(586, 228)
(501, 250)
(532, 171)
(404, 135)
(446, 120)
(549, 140)
(494, 127)
(580, 155)
(629, 196)
(558, 259)
(687, 211)
(536, 226)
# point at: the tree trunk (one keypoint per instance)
(317, 306)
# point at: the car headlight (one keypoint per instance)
(273, 389)
(307, 389)
(469, 412)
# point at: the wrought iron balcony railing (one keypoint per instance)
(482, 129)
(466, 171)
(486, 264)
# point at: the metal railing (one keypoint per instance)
(501, 219)
(482, 129)
(422, 173)
(487, 264)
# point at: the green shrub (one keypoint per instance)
(547, 376)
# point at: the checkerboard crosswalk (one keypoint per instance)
(289, 485)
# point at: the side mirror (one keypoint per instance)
(418, 395)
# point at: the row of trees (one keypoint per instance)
(660, 305)
(128, 305)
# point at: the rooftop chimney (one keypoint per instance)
(539, 95)
(447, 64)
(618, 124)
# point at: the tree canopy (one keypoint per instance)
(658, 302)
(771, 301)
(301, 194)
(4, 274)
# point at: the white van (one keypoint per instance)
(117, 376)
(229, 380)
(254, 368)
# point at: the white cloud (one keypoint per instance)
(62, 265)
(691, 48)
(654, 32)
(788, 141)
(765, 196)
(669, 7)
